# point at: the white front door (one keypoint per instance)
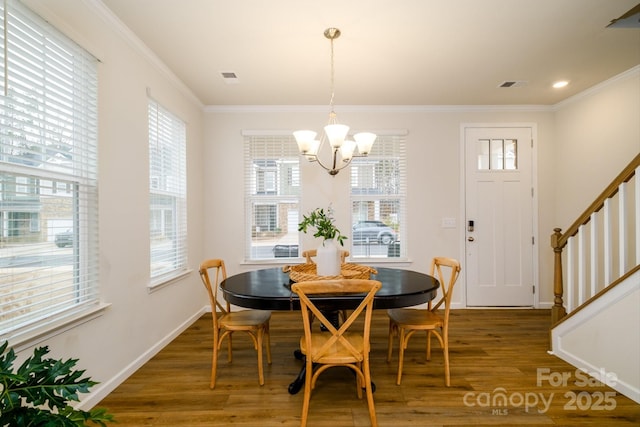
(499, 216)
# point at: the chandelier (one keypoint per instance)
(335, 134)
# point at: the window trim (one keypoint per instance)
(57, 141)
(282, 149)
(176, 137)
(400, 137)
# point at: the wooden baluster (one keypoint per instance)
(557, 311)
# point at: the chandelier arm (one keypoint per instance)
(333, 171)
(335, 158)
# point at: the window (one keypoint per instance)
(498, 154)
(168, 195)
(378, 193)
(48, 143)
(272, 189)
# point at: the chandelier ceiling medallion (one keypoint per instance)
(342, 149)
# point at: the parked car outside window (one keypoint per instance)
(64, 239)
(373, 232)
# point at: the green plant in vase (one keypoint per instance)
(323, 223)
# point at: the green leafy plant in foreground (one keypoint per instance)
(323, 224)
(39, 391)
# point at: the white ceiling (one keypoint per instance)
(402, 52)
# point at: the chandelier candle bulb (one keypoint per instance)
(346, 151)
(336, 134)
(365, 141)
(304, 138)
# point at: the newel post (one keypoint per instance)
(557, 311)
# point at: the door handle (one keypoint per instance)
(471, 239)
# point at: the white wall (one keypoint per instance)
(597, 135)
(136, 320)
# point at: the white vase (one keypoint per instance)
(328, 259)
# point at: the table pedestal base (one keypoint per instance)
(297, 384)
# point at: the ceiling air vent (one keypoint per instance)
(513, 83)
(229, 77)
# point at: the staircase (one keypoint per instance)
(596, 309)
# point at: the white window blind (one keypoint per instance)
(168, 195)
(272, 190)
(378, 200)
(48, 173)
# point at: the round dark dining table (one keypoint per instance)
(270, 289)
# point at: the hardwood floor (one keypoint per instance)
(495, 356)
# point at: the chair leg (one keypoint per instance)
(428, 345)
(445, 349)
(359, 381)
(392, 332)
(369, 392)
(307, 393)
(229, 348)
(402, 346)
(260, 367)
(268, 336)
(214, 362)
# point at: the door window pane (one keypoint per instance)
(483, 154)
(510, 154)
(497, 154)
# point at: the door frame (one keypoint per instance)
(463, 208)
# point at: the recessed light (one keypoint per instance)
(560, 84)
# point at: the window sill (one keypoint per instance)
(166, 281)
(292, 261)
(273, 261)
(390, 260)
(26, 339)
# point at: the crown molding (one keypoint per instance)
(377, 108)
(629, 74)
(134, 41)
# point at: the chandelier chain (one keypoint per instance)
(332, 81)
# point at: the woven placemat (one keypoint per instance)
(304, 272)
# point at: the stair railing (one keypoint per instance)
(602, 244)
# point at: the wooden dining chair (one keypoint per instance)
(347, 345)
(404, 322)
(309, 254)
(225, 322)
